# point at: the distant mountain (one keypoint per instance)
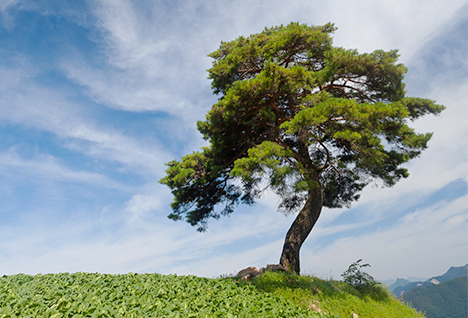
(401, 290)
(453, 272)
(399, 283)
(402, 286)
(391, 282)
(447, 299)
(388, 282)
(416, 279)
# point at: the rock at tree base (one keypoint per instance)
(252, 271)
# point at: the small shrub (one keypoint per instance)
(357, 278)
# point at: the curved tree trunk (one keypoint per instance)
(300, 229)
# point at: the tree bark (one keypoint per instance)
(300, 229)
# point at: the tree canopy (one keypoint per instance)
(312, 122)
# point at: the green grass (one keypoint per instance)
(334, 298)
(152, 295)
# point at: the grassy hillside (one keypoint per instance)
(334, 298)
(152, 295)
(446, 300)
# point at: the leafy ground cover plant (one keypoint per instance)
(273, 294)
(138, 295)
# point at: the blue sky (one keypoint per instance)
(97, 95)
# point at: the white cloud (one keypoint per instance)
(153, 58)
(30, 105)
(147, 66)
(159, 245)
(5, 4)
(47, 167)
(231, 263)
(141, 205)
(133, 40)
(405, 249)
(128, 90)
(402, 25)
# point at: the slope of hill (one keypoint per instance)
(445, 300)
(272, 294)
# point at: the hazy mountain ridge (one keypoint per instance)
(453, 272)
(402, 286)
(448, 299)
(402, 281)
(399, 282)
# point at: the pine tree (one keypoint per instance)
(312, 122)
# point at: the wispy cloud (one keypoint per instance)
(155, 56)
(47, 167)
(30, 105)
(5, 4)
(149, 59)
(151, 243)
(415, 240)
